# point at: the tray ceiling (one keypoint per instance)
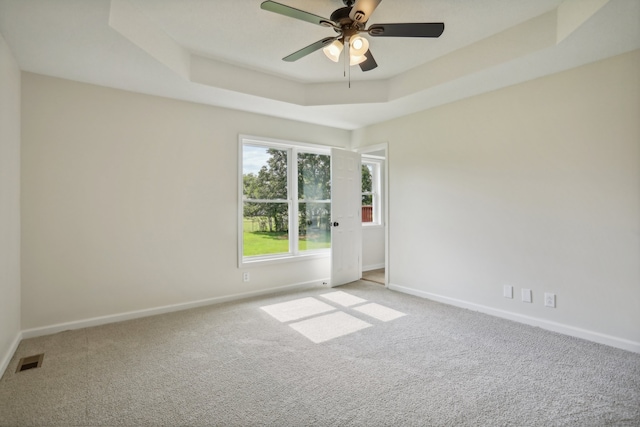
(228, 52)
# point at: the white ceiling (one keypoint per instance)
(228, 52)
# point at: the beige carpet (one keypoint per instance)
(357, 355)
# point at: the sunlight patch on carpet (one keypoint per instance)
(329, 326)
(379, 312)
(297, 309)
(343, 298)
(308, 315)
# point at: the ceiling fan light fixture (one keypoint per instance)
(333, 50)
(359, 46)
(349, 22)
(357, 59)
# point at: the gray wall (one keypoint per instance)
(535, 186)
(130, 202)
(9, 203)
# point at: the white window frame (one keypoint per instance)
(376, 189)
(292, 148)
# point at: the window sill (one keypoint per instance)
(249, 262)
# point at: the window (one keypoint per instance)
(371, 205)
(285, 200)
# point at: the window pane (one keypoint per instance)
(314, 176)
(264, 173)
(265, 228)
(367, 178)
(313, 226)
(367, 212)
(367, 199)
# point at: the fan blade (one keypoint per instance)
(291, 12)
(422, 29)
(362, 10)
(370, 63)
(309, 49)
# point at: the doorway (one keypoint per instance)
(375, 276)
(375, 214)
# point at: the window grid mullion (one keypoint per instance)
(265, 200)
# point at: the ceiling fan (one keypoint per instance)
(349, 22)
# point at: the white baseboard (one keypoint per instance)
(103, 320)
(6, 358)
(372, 266)
(533, 321)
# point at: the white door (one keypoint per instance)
(346, 229)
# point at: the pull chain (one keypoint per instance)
(347, 58)
(344, 63)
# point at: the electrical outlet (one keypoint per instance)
(526, 295)
(549, 300)
(245, 276)
(507, 291)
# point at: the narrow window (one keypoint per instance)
(371, 186)
(314, 201)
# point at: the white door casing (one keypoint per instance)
(346, 230)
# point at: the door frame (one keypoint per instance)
(383, 147)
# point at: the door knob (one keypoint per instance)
(335, 224)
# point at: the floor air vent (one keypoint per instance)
(30, 362)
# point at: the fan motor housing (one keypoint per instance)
(347, 25)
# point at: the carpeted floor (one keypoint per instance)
(398, 361)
